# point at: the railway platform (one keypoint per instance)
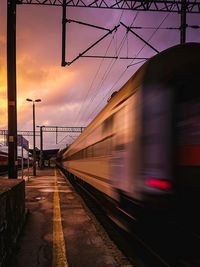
(60, 230)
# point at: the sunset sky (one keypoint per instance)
(73, 95)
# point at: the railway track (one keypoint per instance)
(159, 241)
(121, 227)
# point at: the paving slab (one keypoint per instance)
(60, 230)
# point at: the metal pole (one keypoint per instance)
(41, 147)
(22, 161)
(28, 162)
(11, 79)
(183, 22)
(34, 154)
(56, 135)
(64, 7)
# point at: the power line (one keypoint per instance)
(150, 37)
(131, 64)
(92, 83)
(105, 96)
(164, 28)
(107, 71)
(92, 98)
(98, 70)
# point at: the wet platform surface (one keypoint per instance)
(60, 230)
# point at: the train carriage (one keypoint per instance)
(144, 146)
(4, 162)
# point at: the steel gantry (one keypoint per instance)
(176, 6)
(47, 129)
(192, 6)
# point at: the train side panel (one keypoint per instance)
(126, 149)
(129, 149)
(114, 146)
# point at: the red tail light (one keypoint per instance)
(160, 184)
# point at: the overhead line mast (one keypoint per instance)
(182, 7)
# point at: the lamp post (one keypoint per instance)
(34, 152)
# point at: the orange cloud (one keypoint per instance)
(3, 96)
(2, 40)
(35, 80)
(3, 114)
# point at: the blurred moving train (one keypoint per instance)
(143, 148)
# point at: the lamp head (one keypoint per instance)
(38, 100)
(30, 100)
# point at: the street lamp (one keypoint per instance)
(34, 152)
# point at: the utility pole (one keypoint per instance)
(41, 147)
(64, 9)
(183, 22)
(34, 151)
(11, 79)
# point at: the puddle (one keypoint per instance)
(39, 198)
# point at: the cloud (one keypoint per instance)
(3, 95)
(3, 114)
(28, 70)
(71, 94)
(2, 40)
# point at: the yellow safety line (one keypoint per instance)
(59, 254)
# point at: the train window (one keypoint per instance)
(103, 148)
(75, 156)
(89, 151)
(98, 149)
(107, 126)
(120, 147)
(80, 154)
(84, 153)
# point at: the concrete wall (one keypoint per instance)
(12, 215)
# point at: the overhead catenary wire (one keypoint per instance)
(131, 64)
(71, 136)
(109, 68)
(164, 28)
(92, 83)
(157, 28)
(112, 63)
(95, 77)
(94, 112)
(109, 71)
